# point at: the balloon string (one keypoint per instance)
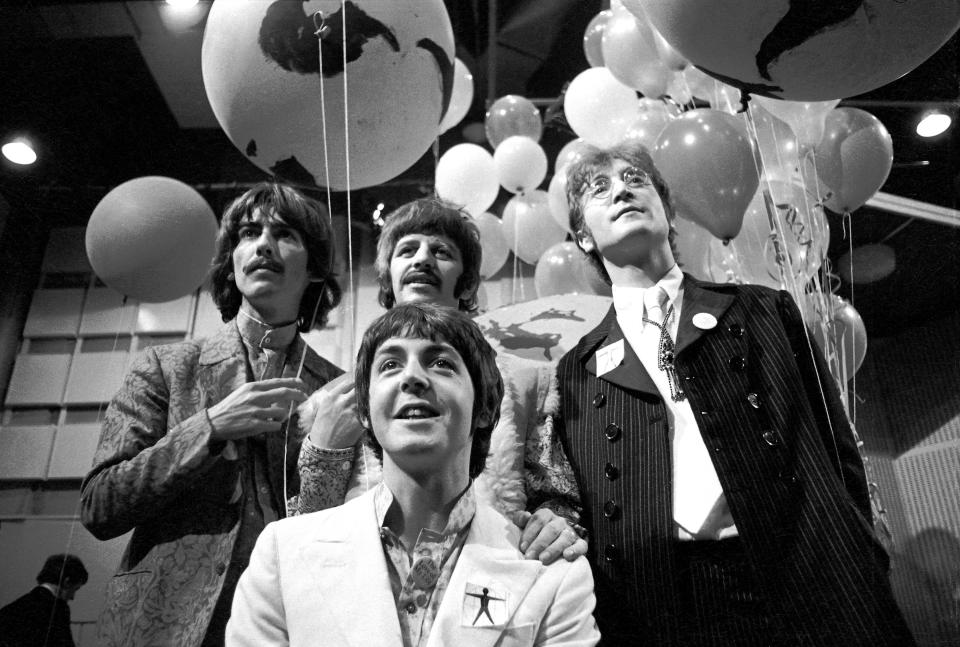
(346, 155)
(321, 30)
(303, 357)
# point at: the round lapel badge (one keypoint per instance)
(425, 572)
(704, 321)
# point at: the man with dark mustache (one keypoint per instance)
(722, 487)
(197, 453)
(429, 252)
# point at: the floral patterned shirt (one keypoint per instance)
(419, 577)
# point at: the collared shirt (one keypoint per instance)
(417, 594)
(709, 515)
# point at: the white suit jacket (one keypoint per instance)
(321, 579)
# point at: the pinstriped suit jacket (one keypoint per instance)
(790, 470)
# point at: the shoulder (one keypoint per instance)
(305, 527)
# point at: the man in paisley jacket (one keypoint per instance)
(197, 454)
(429, 252)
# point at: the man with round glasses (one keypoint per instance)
(723, 492)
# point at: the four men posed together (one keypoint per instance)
(691, 457)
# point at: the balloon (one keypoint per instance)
(528, 226)
(647, 127)
(493, 243)
(805, 118)
(797, 243)
(152, 239)
(512, 115)
(845, 343)
(853, 159)
(707, 161)
(521, 164)
(467, 176)
(693, 248)
(630, 53)
(557, 200)
(262, 75)
(561, 270)
(572, 151)
(869, 263)
(461, 98)
(778, 146)
(592, 38)
(678, 90)
(668, 55)
(800, 50)
(598, 107)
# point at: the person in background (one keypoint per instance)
(41, 618)
(723, 490)
(429, 252)
(419, 559)
(195, 456)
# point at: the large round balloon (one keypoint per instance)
(805, 118)
(494, 245)
(467, 176)
(557, 199)
(854, 158)
(867, 263)
(845, 342)
(562, 270)
(598, 107)
(511, 116)
(521, 164)
(630, 53)
(805, 50)
(528, 226)
(152, 239)
(592, 38)
(263, 76)
(707, 160)
(461, 98)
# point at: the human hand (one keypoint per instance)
(546, 536)
(335, 425)
(255, 407)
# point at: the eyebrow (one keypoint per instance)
(393, 348)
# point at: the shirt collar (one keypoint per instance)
(460, 517)
(258, 334)
(629, 300)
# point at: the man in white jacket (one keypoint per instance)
(418, 560)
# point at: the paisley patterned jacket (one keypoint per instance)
(154, 474)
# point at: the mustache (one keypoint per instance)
(263, 263)
(421, 276)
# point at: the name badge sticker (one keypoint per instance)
(609, 357)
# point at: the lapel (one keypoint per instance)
(223, 365)
(630, 374)
(489, 557)
(697, 299)
(348, 570)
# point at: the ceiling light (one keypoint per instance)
(181, 4)
(933, 124)
(19, 151)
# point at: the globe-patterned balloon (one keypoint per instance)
(265, 69)
(805, 50)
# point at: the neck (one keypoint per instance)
(265, 316)
(421, 501)
(642, 275)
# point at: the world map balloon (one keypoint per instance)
(805, 50)
(264, 78)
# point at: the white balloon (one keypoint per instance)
(528, 226)
(493, 243)
(460, 99)
(521, 164)
(598, 107)
(467, 176)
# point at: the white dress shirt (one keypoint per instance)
(699, 507)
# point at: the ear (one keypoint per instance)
(585, 240)
(469, 291)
